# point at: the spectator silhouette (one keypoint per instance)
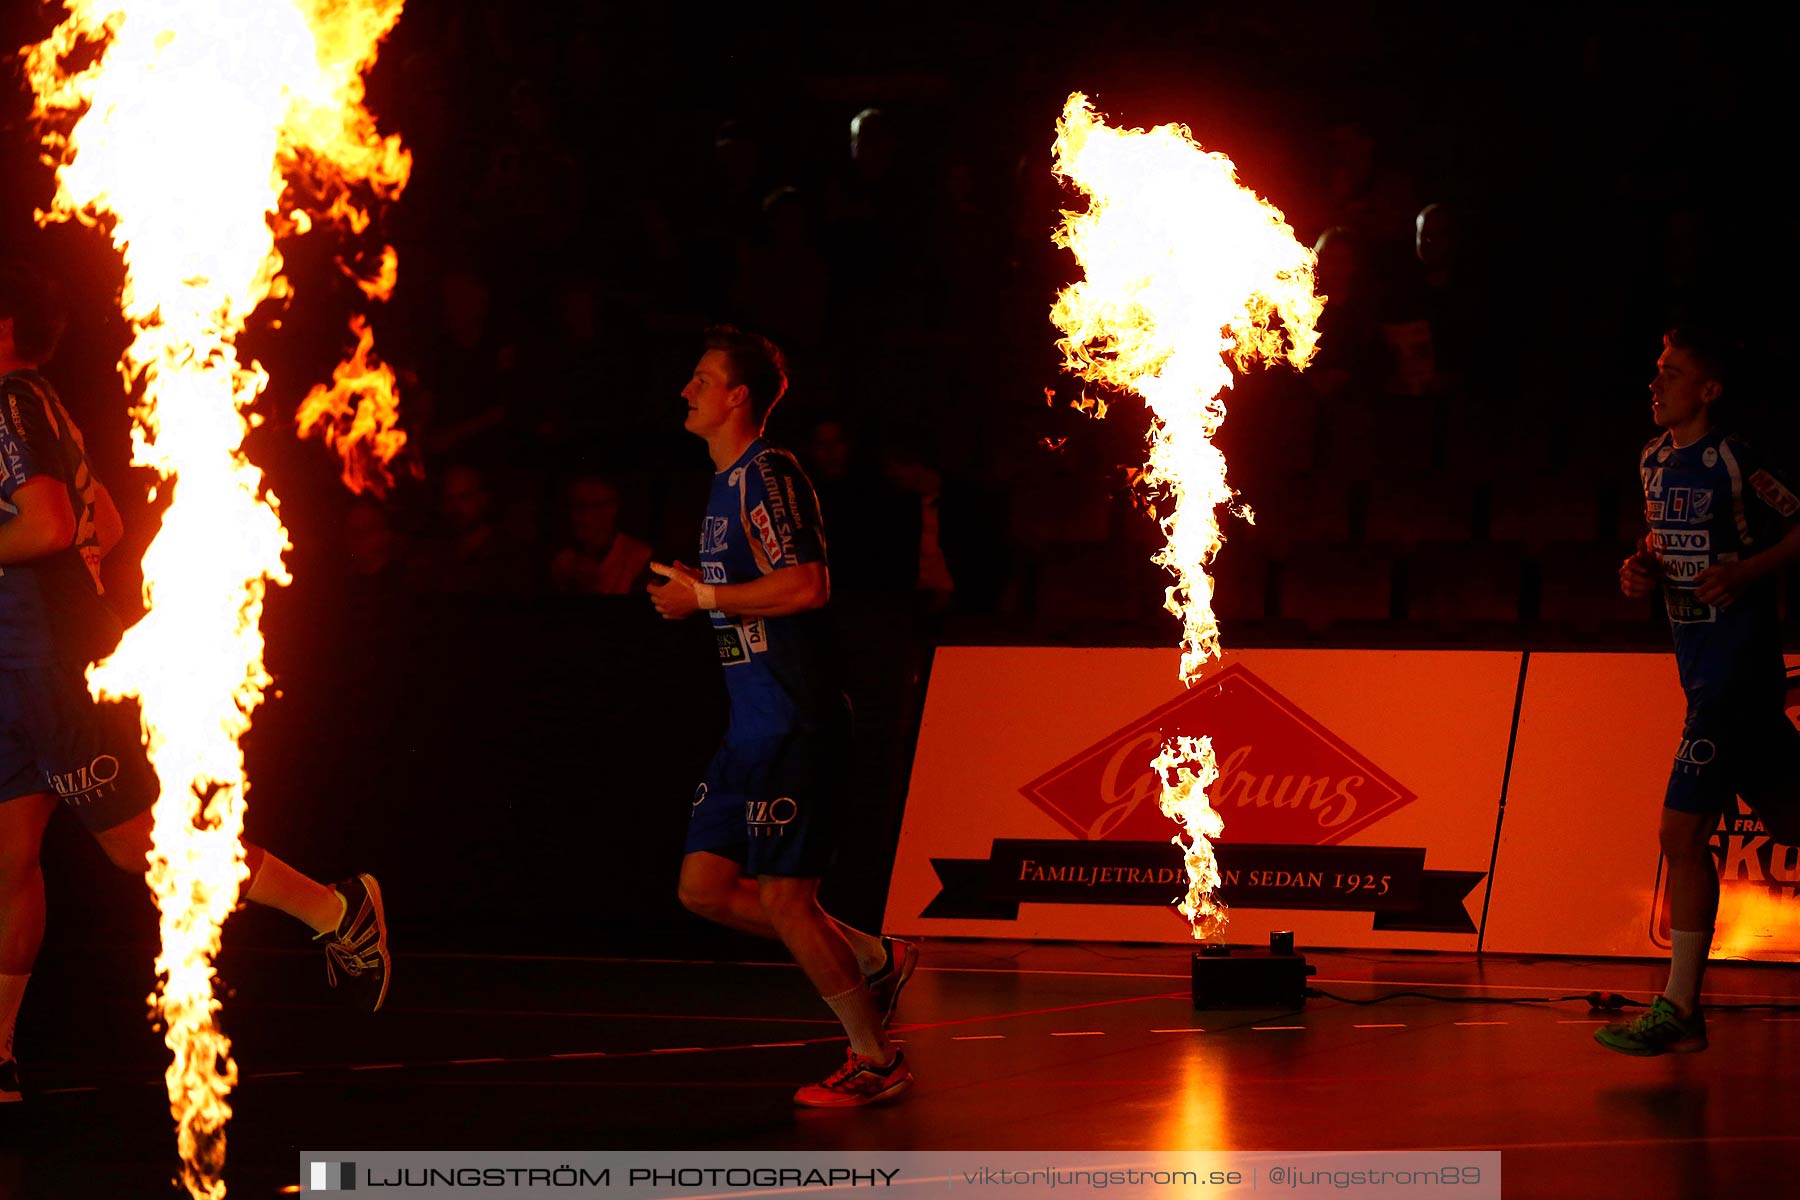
(1349, 350)
(468, 552)
(872, 524)
(467, 370)
(783, 280)
(598, 558)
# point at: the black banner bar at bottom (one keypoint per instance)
(1389, 881)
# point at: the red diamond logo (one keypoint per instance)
(1283, 777)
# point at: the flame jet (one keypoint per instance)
(1186, 272)
(174, 125)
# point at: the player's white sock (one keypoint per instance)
(12, 993)
(1687, 963)
(856, 1009)
(277, 885)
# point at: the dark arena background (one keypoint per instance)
(1429, 595)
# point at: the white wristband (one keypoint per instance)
(706, 596)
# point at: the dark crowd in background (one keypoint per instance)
(1506, 217)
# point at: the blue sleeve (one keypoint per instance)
(783, 511)
(1768, 484)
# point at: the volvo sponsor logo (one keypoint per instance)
(1676, 540)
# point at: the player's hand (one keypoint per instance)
(674, 597)
(1722, 583)
(1636, 579)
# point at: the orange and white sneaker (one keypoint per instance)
(356, 952)
(885, 984)
(859, 1081)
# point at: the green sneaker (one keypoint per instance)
(1659, 1031)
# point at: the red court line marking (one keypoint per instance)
(1142, 1082)
(615, 1016)
(664, 1051)
(707, 962)
(1583, 988)
(533, 1012)
(1042, 1012)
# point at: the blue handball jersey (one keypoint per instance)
(762, 517)
(50, 608)
(1706, 503)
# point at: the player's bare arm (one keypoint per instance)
(45, 522)
(109, 527)
(780, 593)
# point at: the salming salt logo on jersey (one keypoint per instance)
(86, 784)
(1774, 495)
(699, 796)
(12, 444)
(770, 818)
(714, 535)
(765, 532)
(1677, 540)
(784, 513)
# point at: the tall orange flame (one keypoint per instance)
(172, 123)
(1186, 271)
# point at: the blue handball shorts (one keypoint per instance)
(772, 803)
(1735, 745)
(54, 737)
